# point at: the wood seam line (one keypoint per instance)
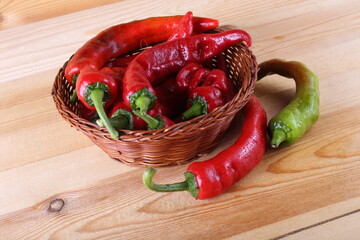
(315, 225)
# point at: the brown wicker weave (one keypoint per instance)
(177, 144)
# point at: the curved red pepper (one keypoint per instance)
(185, 27)
(124, 38)
(185, 75)
(154, 64)
(212, 177)
(217, 78)
(198, 79)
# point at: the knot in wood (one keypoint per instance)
(56, 205)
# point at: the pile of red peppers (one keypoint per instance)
(176, 80)
(170, 82)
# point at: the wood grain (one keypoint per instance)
(55, 184)
(14, 13)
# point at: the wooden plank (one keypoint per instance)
(15, 12)
(309, 190)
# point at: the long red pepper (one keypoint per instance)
(212, 177)
(184, 29)
(153, 64)
(124, 38)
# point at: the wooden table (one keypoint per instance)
(56, 184)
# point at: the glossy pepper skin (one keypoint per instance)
(198, 79)
(185, 75)
(123, 38)
(218, 78)
(185, 27)
(154, 64)
(90, 78)
(117, 73)
(302, 112)
(212, 177)
(97, 91)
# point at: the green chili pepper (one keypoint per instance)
(302, 112)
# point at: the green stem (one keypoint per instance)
(97, 96)
(188, 185)
(278, 137)
(194, 111)
(152, 122)
(73, 96)
(118, 122)
(143, 103)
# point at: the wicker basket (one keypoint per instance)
(178, 144)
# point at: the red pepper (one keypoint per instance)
(163, 122)
(121, 61)
(217, 78)
(198, 79)
(173, 101)
(221, 63)
(123, 38)
(117, 73)
(203, 100)
(185, 75)
(212, 177)
(120, 111)
(97, 91)
(154, 64)
(185, 28)
(86, 113)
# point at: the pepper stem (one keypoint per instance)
(143, 103)
(194, 111)
(73, 96)
(152, 122)
(278, 137)
(118, 122)
(188, 185)
(97, 96)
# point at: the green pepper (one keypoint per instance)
(302, 112)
